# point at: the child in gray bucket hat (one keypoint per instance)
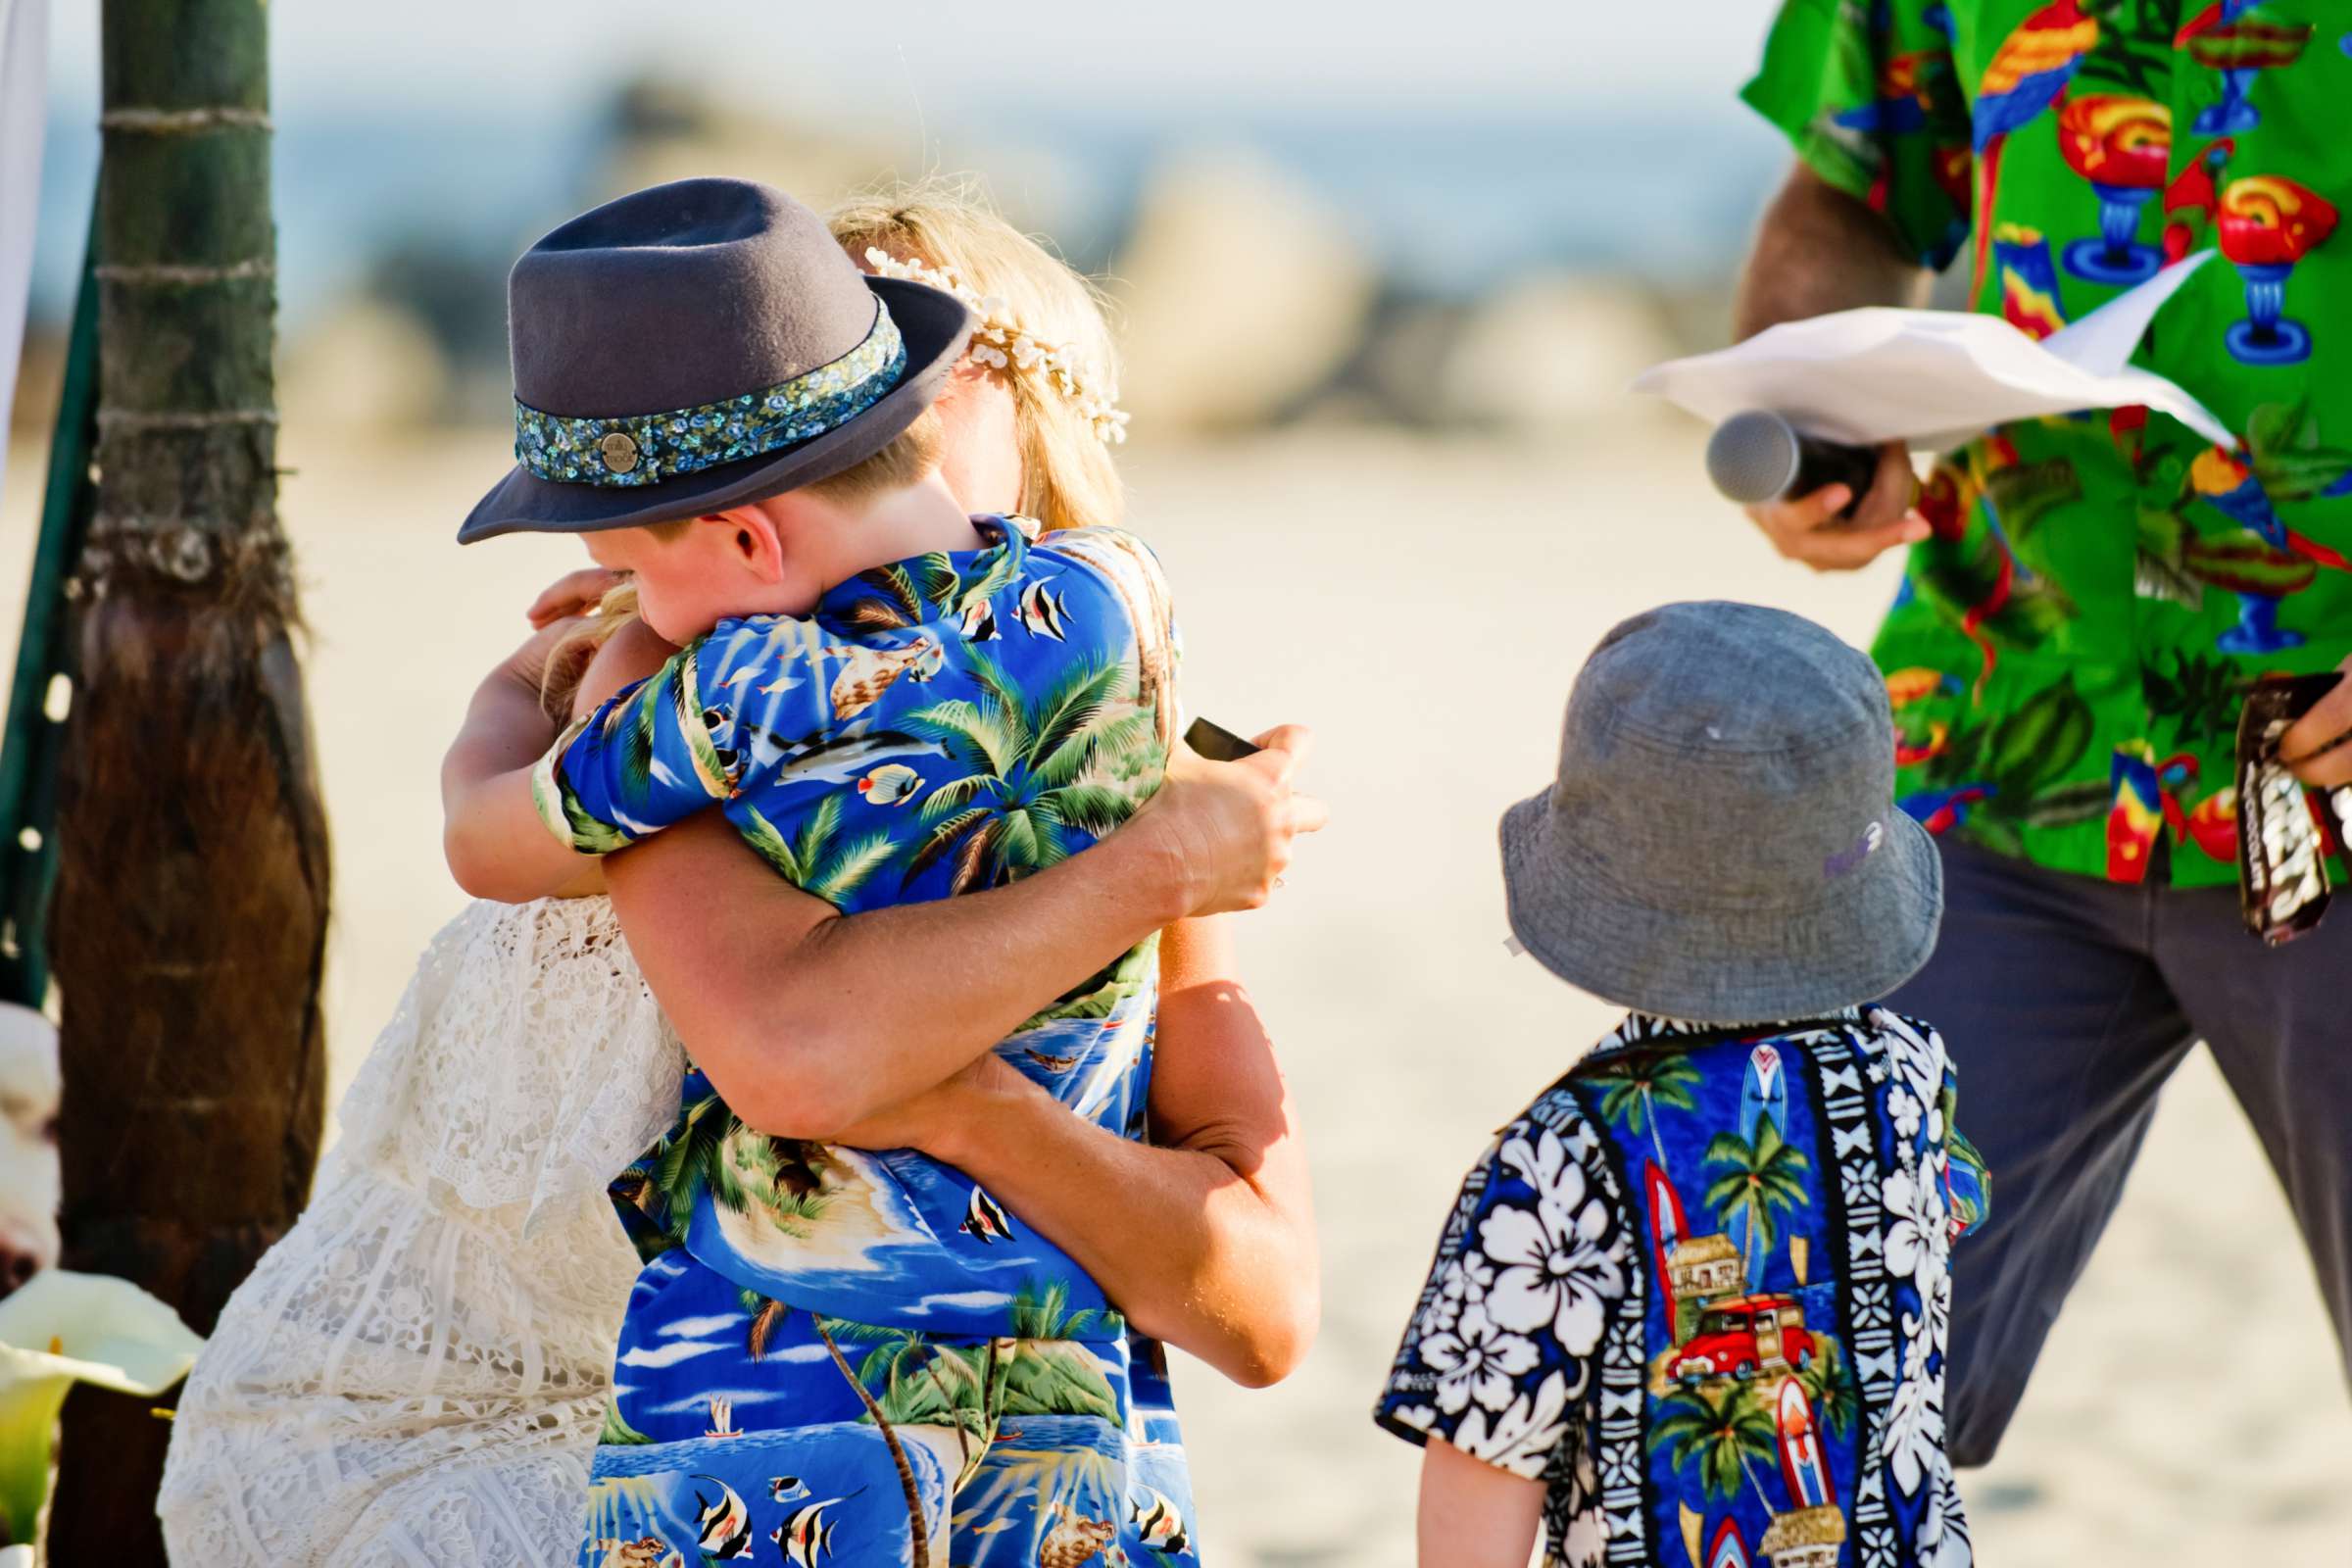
(1691, 1306)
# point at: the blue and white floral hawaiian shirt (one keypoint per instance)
(1700, 1289)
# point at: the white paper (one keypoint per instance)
(24, 105)
(1933, 378)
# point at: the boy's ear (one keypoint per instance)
(753, 540)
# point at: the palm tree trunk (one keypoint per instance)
(918, 1531)
(191, 901)
(1755, 1486)
(1657, 1145)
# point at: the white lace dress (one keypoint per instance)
(416, 1375)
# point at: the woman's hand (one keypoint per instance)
(548, 664)
(1233, 826)
(572, 595)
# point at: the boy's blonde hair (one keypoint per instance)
(1068, 478)
(911, 455)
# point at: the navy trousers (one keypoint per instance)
(2066, 1003)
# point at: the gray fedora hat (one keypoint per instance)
(1722, 843)
(699, 345)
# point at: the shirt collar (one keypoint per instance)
(1649, 1028)
(1000, 561)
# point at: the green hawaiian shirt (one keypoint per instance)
(2069, 646)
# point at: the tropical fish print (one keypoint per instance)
(859, 1357)
(2115, 557)
(1700, 1289)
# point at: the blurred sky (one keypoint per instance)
(1460, 143)
(928, 53)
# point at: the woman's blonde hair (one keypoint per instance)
(1068, 478)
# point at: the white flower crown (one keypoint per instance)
(1001, 343)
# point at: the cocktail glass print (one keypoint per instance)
(2256, 566)
(2121, 145)
(2266, 225)
(2029, 281)
(2225, 38)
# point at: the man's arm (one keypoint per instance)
(809, 1022)
(1820, 250)
(1210, 1242)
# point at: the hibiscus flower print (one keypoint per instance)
(1476, 1360)
(1917, 1053)
(1522, 1434)
(1918, 1239)
(1903, 1107)
(1915, 1423)
(1558, 1264)
(1464, 1285)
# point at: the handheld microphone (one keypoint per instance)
(1759, 456)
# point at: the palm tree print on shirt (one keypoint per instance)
(1760, 1181)
(1642, 1082)
(1081, 757)
(1720, 1429)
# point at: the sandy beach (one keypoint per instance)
(1424, 604)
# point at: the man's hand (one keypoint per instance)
(1809, 528)
(1233, 825)
(2318, 746)
(932, 1120)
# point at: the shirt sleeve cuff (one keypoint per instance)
(558, 809)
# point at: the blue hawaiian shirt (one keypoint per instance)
(1700, 1289)
(861, 1357)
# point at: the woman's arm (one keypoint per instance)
(1209, 1242)
(807, 1023)
(1474, 1515)
(491, 835)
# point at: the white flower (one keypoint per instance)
(62, 1328)
(1555, 1269)
(1943, 1540)
(1917, 1240)
(1463, 1284)
(1586, 1541)
(1919, 1057)
(1903, 1107)
(1477, 1360)
(1914, 1426)
(1521, 1437)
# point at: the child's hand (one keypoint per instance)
(572, 595)
(1232, 825)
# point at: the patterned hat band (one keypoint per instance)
(641, 449)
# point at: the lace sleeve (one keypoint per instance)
(527, 1063)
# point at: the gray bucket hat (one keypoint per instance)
(1722, 843)
(699, 345)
